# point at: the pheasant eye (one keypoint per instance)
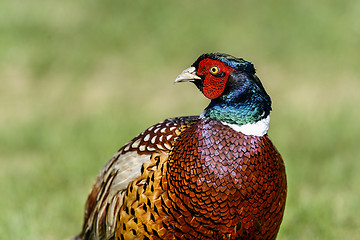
(214, 70)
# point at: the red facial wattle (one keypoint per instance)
(214, 84)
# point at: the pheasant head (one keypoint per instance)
(236, 93)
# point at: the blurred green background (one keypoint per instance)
(78, 79)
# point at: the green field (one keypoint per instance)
(78, 79)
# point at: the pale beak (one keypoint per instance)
(188, 75)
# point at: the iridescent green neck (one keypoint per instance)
(235, 108)
(234, 114)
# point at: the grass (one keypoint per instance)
(80, 78)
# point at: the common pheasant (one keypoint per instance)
(213, 176)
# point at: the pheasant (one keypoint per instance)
(213, 176)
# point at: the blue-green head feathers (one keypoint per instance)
(236, 63)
